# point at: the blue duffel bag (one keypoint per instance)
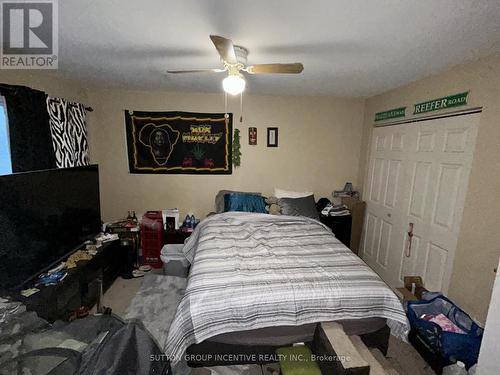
(452, 346)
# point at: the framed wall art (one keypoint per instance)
(179, 142)
(252, 136)
(272, 137)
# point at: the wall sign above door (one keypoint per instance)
(391, 113)
(441, 103)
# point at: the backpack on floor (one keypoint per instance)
(93, 345)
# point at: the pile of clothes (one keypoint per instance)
(102, 344)
(442, 320)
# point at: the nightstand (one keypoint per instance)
(340, 226)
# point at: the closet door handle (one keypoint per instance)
(410, 236)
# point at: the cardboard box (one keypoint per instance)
(406, 291)
(406, 294)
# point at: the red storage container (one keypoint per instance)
(152, 238)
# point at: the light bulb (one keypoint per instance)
(234, 84)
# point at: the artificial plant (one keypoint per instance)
(236, 148)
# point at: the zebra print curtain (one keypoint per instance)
(69, 133)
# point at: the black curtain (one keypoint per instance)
(29, 132)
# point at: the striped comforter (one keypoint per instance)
(253, 271)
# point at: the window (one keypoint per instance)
(5, 161)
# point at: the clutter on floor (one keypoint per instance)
(8, 308)
(269, 369)
(137, 293)
(138, 273)
(441, 320)
(415, 285)
(295, 360)
(441, 332)
(95, 344)
(455, 369)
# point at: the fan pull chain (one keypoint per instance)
(226, 116)
(241, 107)
(225, 103)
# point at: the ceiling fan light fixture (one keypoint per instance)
(234, 84)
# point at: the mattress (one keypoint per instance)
(286, 335)
(252, 272)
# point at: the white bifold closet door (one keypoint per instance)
(418, 173)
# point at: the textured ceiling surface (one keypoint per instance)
(348, 48)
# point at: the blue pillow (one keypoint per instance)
(244, 202)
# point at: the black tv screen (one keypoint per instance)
(45, 215)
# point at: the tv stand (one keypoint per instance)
(80, 287)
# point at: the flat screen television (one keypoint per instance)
(44, 216)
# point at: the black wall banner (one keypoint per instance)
(179, 142)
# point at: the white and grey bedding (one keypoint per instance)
(252, 271)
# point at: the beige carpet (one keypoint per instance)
(406, 360)
(402, 356)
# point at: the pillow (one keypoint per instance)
(280, 193)
(244, 202)
(304, 206)
(219, 199)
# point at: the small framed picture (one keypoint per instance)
(272, 137)
(252, 136)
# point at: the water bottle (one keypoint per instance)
(455, 369)
(187, 221)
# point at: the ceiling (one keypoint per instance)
(348, 48)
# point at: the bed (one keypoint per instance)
(266, 280)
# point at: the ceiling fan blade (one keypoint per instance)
(294, 68)
(225, 48)
(196, 71)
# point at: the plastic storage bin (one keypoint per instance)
(174, 261)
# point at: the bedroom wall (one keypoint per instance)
(479, 239)
(49, 81)
(319, 149)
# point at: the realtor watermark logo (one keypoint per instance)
(29, 34)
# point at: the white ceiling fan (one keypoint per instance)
(234, 58)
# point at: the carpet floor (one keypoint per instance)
(128, 299)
